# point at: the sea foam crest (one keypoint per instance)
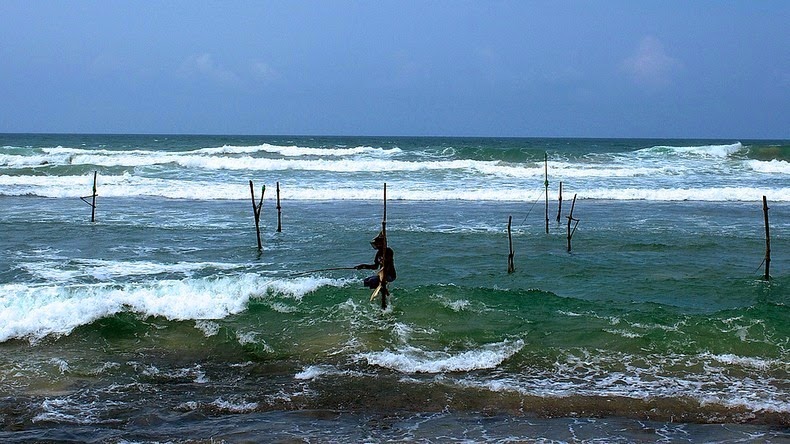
(773, 166)
(228, 157)
(36, 311)
(316, 371)
(703, 150)
(297, 151)
(127, 185)
(709, 194)
(59, 270)
(631, 376)
(414, 360)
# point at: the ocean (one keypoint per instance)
(161, 321)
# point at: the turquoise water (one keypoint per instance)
(162, 322)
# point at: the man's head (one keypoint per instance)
(378, 241)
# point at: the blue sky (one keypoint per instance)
(705, 69)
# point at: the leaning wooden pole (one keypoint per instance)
(559, 205)
(93, 201)
(767, 241)
(570, 220)
(279, 211)
(256, 212)
(510, 265)
(546, 184)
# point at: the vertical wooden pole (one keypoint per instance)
(279, 212)
(559, 205)
(256, 212)
(383, 278)
(570, 219)
(767, 241)
(382, 274)
(546, 184)
(93, 202)
(384, 218)
(510, 265)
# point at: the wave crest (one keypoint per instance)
(414, 360)
(37, 311)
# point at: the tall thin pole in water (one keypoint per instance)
(511, 267)
(256, 212)
(279, 212)
(546, 184)
(767, 241)
(93, 202)
(571, 219)
(383, 278)
(559, 204)
(382, 274)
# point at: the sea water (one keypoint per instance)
(162, 322)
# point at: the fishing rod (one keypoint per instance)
(323, 269)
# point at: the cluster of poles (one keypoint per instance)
(256, 211)
(572, 224)
(380, 291)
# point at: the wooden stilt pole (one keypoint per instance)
(571, 219)
(546, 184)
(559, 204)
(93, 201)
(383, 277)
(256, 211)
(279, 211)
(510, 265)
(767, 241)
(382, 287)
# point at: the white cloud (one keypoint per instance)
(264, 72)
(203, 65)
(651, 66)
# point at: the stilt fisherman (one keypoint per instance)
(384, 261)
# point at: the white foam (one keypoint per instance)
(63, 411)
(623, 333)
(36, 311)
(62, 365)
(600, 374)
(459, 305)
(207, 327)
(226, 157)
(70, 270)
(702, 150)
(297, 151)
(234, 407)
(700, 173)
(195, 373)
(315, 371)
(293, 150)
(773, 166)
(133, 186)
(246, 338)
(187, 406)
(414, 360)
(711, 194)
(751, 362)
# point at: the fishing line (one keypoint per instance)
(760, 266)
(300, 273)
(533, 206)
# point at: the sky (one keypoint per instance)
(663, 69)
